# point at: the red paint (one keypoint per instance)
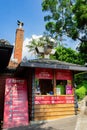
(54, 99)
(63, 75)
(16, 103)
(42, 73)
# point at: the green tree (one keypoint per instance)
(44, 42)
(32, 45)
(83, 52)
(67, 54)
(81, 92)
(67, 17)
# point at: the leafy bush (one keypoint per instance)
(81, 92)
(84, 83)
(81, 82)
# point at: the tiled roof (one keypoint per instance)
(55, 64)
(5, 54)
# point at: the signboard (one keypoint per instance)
(42, 73)
(54, 99)
(68, 89)
(63, 75)
(16, 103)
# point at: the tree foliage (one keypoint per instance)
(83, 52)
(67, 17)
(67, 54)
(81, 92)
(45, 43)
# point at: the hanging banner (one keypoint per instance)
(54, 99)
(42, 73)
(16, 103)
(63, 75)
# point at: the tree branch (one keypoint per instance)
(82, 39)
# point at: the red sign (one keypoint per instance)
(54, 99)
(16, 103)
(63, 75)
(42, 73)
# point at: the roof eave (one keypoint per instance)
(53, 66)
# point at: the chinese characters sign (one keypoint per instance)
(54, 99)
(63, 75)
(42, 73)
(16, 103)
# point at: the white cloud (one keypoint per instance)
(36, 36)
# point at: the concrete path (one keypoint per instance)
(81, 123)
(77, 122)
(68, 123)
(82, 117)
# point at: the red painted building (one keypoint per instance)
(46, 99)
(37, 85)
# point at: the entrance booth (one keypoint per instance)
(38, 90)
(54, 94)
(51, 92)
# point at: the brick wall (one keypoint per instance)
(18, 44)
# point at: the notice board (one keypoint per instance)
(16, 103)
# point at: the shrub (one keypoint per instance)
(81, 92)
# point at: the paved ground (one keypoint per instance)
(82, 117)
(77, 122)
(60, 124)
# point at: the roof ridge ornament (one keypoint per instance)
(20, 24)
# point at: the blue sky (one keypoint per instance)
(27, 11)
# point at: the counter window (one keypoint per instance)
(64, 87)
(60, 87)
(53, 82)
(44, 87)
